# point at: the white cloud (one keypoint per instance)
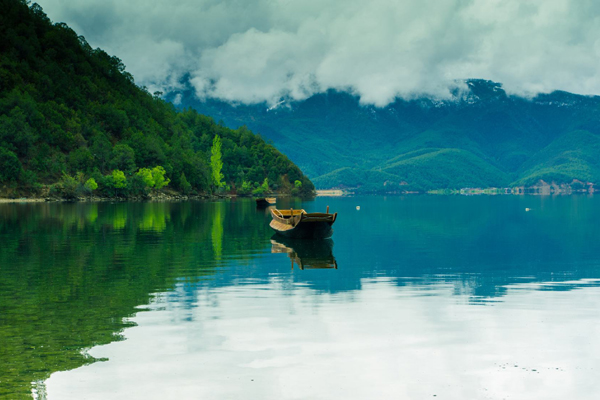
(177, 99)
(262, 50)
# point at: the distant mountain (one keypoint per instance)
(480, 138)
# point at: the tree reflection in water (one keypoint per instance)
(71, 275)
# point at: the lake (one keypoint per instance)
(446, 297)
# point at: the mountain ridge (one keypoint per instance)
(340, 143)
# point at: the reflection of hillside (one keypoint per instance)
(310, 254)
(71, 274)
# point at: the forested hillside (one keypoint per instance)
(482, 137)
(73, 118)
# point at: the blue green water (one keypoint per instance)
(452, 297)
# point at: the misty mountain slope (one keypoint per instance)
(443, 138)
(574, 154)
(369, 180)
(480, 138)
(447, 168)
(421, 170)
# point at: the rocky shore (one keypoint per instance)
(170, 196)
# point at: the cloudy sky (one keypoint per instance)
(262, 50)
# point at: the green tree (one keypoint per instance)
(119, 180)
(90, 185)
(29, 180)
(101, 150)
(146, 175)
(297, 188)
(158, 175)
(115, 121)
(216, 162)
(81, 160)
(186, 187)
(116, 181)
(10, 166)
(123, 158)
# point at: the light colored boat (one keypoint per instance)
(299, 224)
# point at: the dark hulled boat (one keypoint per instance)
(264, 202)
(299, 224)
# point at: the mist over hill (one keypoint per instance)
(481, 137)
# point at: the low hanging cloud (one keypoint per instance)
(253, 51)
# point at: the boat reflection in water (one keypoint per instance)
(264, 202)
(307, 254)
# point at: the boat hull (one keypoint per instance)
(306, 230)
(265, 202)
(298, 224)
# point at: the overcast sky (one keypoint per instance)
(262, 50)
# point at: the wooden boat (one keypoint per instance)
(264, 202)
(299, 224)
(306, 254)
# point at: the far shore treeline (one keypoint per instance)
(74, 123)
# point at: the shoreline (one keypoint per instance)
(96, 199)
(167, 198)
(155, 197)
(22, 200)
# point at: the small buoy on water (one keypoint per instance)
(528, 209)
(357, 208)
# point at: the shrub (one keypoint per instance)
(262, 189)
(90, 185)
(67, 186)
(115, 183)
(119, 180)
(145, 175)
(154, 178)
(246, 189)
(158, 175)
(297, 188)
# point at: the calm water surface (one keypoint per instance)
(432, 297)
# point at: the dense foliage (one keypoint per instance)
(481, 137)
(68, 109)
